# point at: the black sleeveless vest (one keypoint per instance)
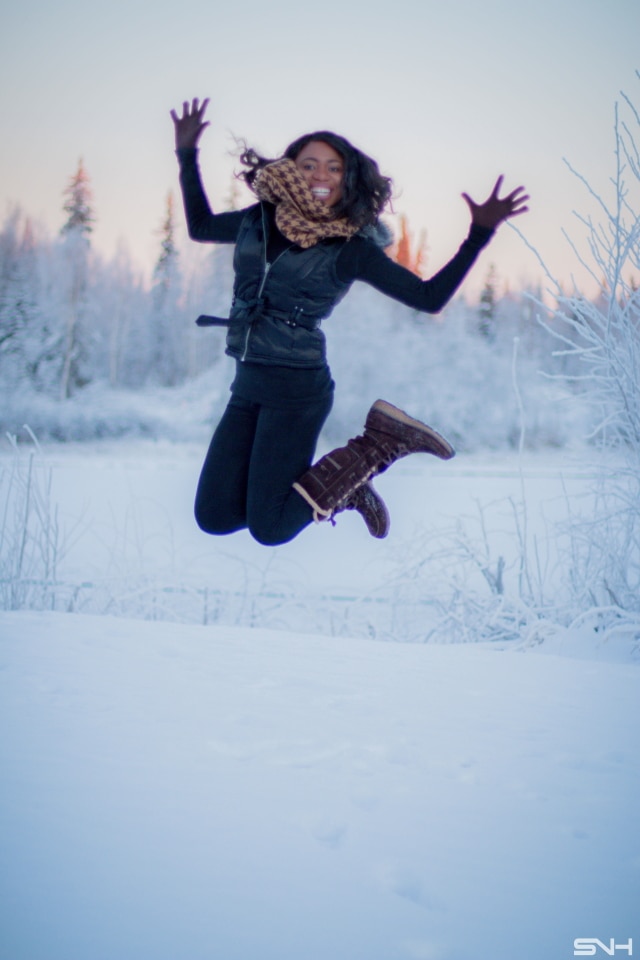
(277, 308)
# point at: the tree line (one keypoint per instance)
(69, 318)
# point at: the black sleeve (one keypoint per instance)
(361, 259)
(202, 224)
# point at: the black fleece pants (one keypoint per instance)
(257, 452)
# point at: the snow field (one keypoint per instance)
(175, 790)
(128, 543)
(172, 790)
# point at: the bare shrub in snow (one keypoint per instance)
(588, 572)
(603, 337)
(31, 538)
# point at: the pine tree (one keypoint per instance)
(420, 257)
(75, 233)
(487, 310)
(165, 268)
(403, 249)
(403, 252)
(30, 339)
(168, 358)
(17, 294)
(233, 198)
(78, 203)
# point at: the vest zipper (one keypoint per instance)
(267, 267)
(265, 273)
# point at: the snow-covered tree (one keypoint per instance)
(233, 199)
(76, 258)
(487, 308)
(121, 307)
(601, 337)
(168, 355)
(77, 206)
(28, 347)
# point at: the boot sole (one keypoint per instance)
(442, 447)
(378, 513)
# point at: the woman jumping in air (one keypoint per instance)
(313, 231)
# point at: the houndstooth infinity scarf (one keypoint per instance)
(299, 216)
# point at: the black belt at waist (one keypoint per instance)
(293, 318)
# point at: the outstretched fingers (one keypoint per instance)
(191, 110)
(189, 126)
(196, 109)
(517, 201)
(496, 187)
(496, 209)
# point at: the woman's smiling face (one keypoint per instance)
(323, 169)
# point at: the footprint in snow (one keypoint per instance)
(330, 833)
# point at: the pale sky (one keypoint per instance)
(445, 96)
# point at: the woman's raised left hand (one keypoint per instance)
(496, 209)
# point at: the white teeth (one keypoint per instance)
(320, 192)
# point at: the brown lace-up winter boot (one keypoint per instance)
(389, 434)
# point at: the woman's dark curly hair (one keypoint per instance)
(365, 192)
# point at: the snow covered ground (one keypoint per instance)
(206, 792)
(218, 792)
(121, 514)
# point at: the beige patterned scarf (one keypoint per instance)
(299, 216)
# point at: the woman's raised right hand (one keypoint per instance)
(188, 128)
